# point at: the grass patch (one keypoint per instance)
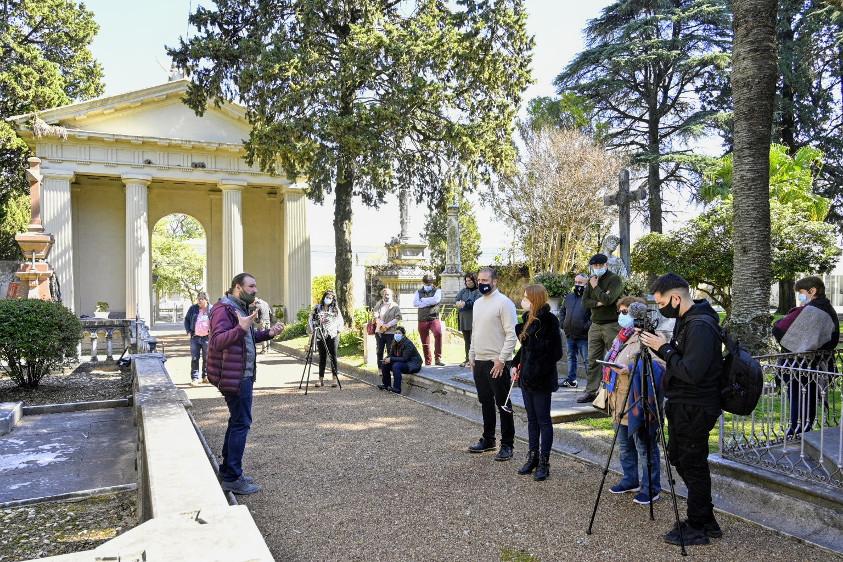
(513, 555)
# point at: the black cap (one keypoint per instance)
(598, 259)
(428, 278)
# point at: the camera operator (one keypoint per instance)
(327, 320)
(694, 362)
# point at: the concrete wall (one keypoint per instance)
(99, 243)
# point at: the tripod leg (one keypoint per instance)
(645, 398)
(307, 359)
(669, 469)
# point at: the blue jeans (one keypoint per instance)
(239, 422)
(633, 453)
(394, 371)
(576, 346)
(539, 425)
(198, 346)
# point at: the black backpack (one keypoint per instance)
(741, 379)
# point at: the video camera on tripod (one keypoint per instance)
(643, 317)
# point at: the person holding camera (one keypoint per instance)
(403, 358)
(694, 362)
(387, 315)
(534, 366)
(602, 292)
(326, 320)
(634, 438)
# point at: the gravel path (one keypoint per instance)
(359, 474)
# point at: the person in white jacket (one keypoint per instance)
(327, 319)
(492, 349)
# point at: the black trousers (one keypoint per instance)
(326, 348)
(466, 338)
(689, 426)
(491, 394)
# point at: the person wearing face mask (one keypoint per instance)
(427, 300)
(326, 315)
(197, 323)
(601, 295)
(465, 303)
(232, 365)
(387, 316)
(694, 363)
(575, 319)
(534, 367)
(811, 326)
(403, 358)
(493, 342)
(633, 438)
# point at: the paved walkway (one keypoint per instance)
(56, 454)
(358, 474)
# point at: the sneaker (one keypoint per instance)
(505, 453)
(195, 382)
(691, 536)
(586, 397)
(622, 488)
(482, 446)
(713, 530)
(643, 499)
(205, 380)
(241, 487)
(395, 390)
(568, 384)
(383, 387)
(440, 364)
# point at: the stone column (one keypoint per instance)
(297, 252)
(138, 276)
(232, 229)
(56, 215)
(452, 276)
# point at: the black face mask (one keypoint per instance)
(485, 288)
(670, 311)
(579, 290)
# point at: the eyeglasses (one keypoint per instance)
(623, 310)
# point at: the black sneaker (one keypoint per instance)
(586, 397)
(383, 387)
(482, 446)
(713, 530)
(568, 384)
(691, 536)
(505, 453)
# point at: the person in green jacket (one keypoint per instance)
(602, 292)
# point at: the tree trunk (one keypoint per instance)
(754, 75)
(344, 193)
(787, 120)
(787, 297)
(653, 175)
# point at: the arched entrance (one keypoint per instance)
(179, 266)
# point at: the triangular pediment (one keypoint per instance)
(156, 112)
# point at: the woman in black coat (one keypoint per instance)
(534, 366)
(403, 358)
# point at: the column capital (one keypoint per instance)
(58, 174)
(136, 179)
(227, 184)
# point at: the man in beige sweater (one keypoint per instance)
(492, 348)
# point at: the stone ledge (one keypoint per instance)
(75, 406)
(10, 415)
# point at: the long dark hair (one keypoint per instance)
(331, 307)
(471, 276)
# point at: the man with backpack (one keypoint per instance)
(694, 363)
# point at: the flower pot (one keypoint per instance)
(100, 314)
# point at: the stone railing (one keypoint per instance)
(126, 328)
(797, 427)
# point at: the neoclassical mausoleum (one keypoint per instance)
(114, 166)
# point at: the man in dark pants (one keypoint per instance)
(492, 348)
(197, 324)
(694, 360)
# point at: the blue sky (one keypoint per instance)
(130, 46)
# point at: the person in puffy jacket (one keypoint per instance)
(403, 358)
(534, 366)
(575, 318)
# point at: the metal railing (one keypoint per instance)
(797, 427)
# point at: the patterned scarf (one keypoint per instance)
(609, 376)
(635, 414)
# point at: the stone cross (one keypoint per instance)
(622, 199)
(404, 207)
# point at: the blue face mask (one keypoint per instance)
(399, 336)
(598, 271)
(803, 298)
(626, 321)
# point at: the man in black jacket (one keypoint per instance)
(694, 360)
(575, 319)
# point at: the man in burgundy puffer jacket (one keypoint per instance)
(231, 368)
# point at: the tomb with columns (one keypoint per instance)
(113, 166)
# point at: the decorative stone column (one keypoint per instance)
(57, 217)
(297, 252)
(232, 229)
(138, 259)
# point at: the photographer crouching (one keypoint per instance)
(694, 360)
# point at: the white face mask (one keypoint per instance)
(328, 301)
(427, 287)
(526, 304)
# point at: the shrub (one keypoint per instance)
(557, 285)
(298, 328)
(320, 284)
(351, 343)
(35, 337)
(361, 317)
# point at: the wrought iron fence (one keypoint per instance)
(797, 427)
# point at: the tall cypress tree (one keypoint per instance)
(645, 69)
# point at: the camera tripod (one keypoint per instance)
(648, 382)
(317, 336)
